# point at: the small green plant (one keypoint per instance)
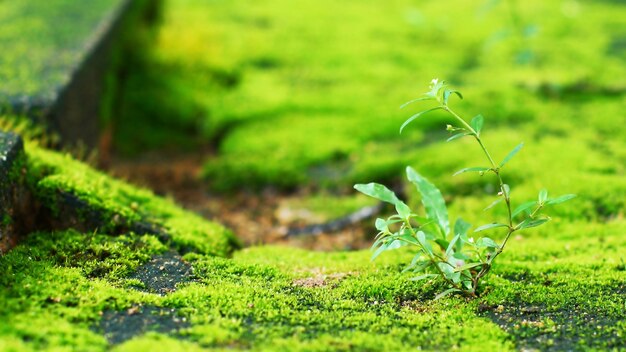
(444, 252)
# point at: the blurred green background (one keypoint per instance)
(308, 94)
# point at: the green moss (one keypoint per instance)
(325, 207)
(52, 174)
(548, 290)
(251, 82)
(283, 114)
(40, 52)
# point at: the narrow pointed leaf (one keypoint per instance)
(447, 93)
(543, 196)
(422, 277)
(461, 227)
(421, 237)
(410, 119)
(472, 169)
(486, 242)
(407, 238)
(458, 135)
(490, 226)
(477, 123)
(528, 223)
(493, 204)
(378, 251)
(467, 266)
(377, 191)
(561, 199)
(432, 199)
(511, 154)
(506, 191)
(416, 100)
(451, 245)
(524, 207)
(446, 293)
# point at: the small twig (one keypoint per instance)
(337, 224)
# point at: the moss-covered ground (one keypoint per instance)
(59, 288)
(306, 95)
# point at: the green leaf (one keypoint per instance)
(528, 223)
(489, 226)
(435, 87)
(403, 210)
(387, 244)
(421, 238)
(407, 238)
(506, 191)
(467, 266)
(446, 293)
(511, 154)
(493, 204)
(472, 169)
(381, 225)
(451, 244)
(561, 199)
(477, 123)
(443, 244)
(460, 256)
(422, 277)
(524, 207)
(377, 191)
(395, 244)
(448, 271)
(417, 265)
(423, 98)
(447, 93)
(410, 119)
(432, 199)
(458, 135)
(378, 251)
(461, 227)
(486, 242)
(543, 196)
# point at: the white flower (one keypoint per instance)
(434, 81)
(471, 240)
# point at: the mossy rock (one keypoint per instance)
(73, 195)
(13, 197)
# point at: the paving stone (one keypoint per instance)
(11, 188)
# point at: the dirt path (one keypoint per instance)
(263, 218)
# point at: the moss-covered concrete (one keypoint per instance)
(566, 294)
(43, 44)
(60, 59)
(12, 189)
(74, 195)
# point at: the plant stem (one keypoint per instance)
(433, 260)
(496, 170)
(494, 167)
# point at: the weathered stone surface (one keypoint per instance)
(11, 188)
(56, 56)
(136, 321)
